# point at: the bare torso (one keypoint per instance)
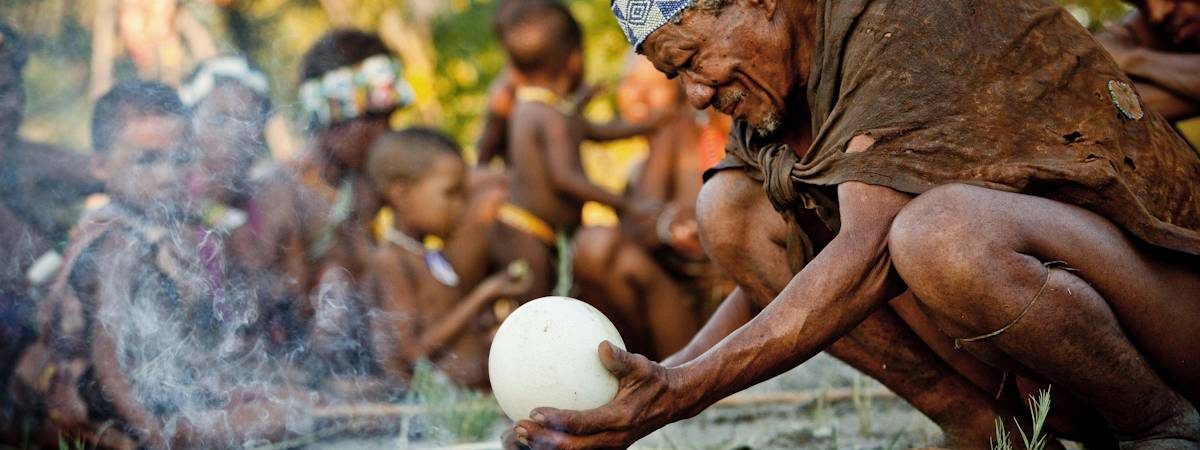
(531, 186)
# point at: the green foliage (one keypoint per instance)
(452, 414)
(1098, 12)
(1039, 409)
(1002, 441)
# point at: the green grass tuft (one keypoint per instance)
(452, 413)
(1039, 409)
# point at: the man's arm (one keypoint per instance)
(562, 157)
(848, 280)
(735, 311)
(836, 291)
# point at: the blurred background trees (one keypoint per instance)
(80, 47)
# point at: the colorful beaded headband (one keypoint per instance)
(639, 18)
(375, 85)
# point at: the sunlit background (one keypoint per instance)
(79, 50)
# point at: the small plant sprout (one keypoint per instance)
(1039, 409)
(1002, 442)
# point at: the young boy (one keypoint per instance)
(132, 331)
(423, 309)
(548, 186)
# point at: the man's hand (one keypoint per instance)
(645, 401)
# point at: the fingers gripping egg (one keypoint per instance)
(545, 354)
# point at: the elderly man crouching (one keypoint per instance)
(987, 156)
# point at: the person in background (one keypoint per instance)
(1158, 46)
(255, 206)
(423, 310)
(42, 188)
(548, 185)
(350, 85)
(140, 333)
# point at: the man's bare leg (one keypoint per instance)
(747, 238)
(1064, 286)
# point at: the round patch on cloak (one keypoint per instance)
(1125, 99)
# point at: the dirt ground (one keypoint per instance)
(822, 404)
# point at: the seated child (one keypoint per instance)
(134, 333)
(247, 199)
(423, 309)
(350, 86)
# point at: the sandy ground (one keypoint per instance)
(827, 416)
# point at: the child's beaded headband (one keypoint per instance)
(227, 67)
(375, 85)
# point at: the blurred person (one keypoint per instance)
(548, 186)
(254, 205)
(136, 331)
(493, 140)
(350, 85)
(41, 194)
(1077, 208)
(423, 310)
(1158, 45)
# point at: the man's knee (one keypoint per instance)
(940, 238)
(728, 208)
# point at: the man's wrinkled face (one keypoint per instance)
(736, 60)
(1178, 20)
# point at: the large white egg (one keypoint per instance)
(544, 354)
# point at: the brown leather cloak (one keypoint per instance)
(1007, 94)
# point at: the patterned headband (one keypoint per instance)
(229, 67)
(639, 18)
(375, 85)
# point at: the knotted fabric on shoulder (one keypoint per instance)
(1006, 94)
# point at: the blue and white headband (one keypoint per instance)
(639, 18)
(233, 68)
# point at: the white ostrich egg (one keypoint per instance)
(545, 355)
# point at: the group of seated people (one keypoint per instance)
(205, 294)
